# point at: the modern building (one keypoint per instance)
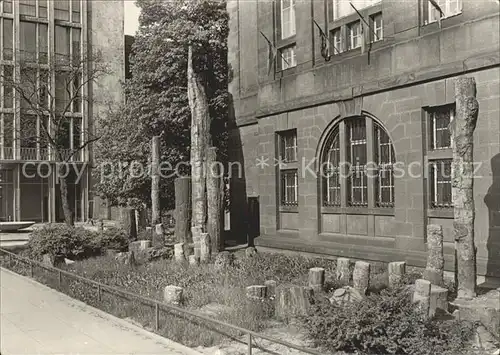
(340, 119)
(35, 34)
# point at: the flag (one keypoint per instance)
(272, 54)
(325, 42)
(438, 8)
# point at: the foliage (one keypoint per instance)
(113, 238)
(62, 240)
(385, 323)
(157, 103)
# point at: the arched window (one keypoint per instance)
(358, 157)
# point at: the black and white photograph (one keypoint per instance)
(249, 177)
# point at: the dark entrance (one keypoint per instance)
(253, 219)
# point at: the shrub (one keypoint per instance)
(59, 239)
(113, 238)
(387, 323)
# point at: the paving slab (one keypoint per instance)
(35, 319)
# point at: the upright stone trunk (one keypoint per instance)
(68, 213)
(199, 144)
(462, 128)
(183, 209)
(155, 180)
(215, 193)
(127, 221)
(435, 258)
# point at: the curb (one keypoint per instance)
(123, 323)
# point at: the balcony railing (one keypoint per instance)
(37, 154)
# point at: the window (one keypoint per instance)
(28, 41)
(62, 92)
(61, 10)
(337, 41)
(441, 196)
(449, 8)
(75, 9)
(8, 40)
(7, 6)
(377, 27)
(27, 7)
(385, 160)
(77, 100)
(62, 44)
(287, 18)
(42, 8)
(287, 167)
(75, 45)
(290, 188)
(354, 35)
(440, 119)
(288, 58)
(289, 146)
(8, 90)
(345, 160)
(356, 157)
(331, 171)
(8, 130)
(28, 87)
(43, 44)
(28, 131)
(342, 8)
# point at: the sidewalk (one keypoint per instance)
(35, 319)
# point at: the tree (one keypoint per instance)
(52, 98)
(156, 95)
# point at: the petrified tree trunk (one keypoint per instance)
(183, 209)
(199, 144)
(462, 128)
(215, 193)
(127, 221)
(155, 180)
(435, 258)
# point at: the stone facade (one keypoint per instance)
(413, 68)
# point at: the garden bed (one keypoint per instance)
(221, 294)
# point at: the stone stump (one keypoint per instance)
(361, 276)
(149, 233)
(196, 235)
(438, 300)
(127, 222)
(183, 209)
(205, 247)
(316, 278)
(271, 287)
(435, 258)
(126, 258)
(179, 254)
(173, 295)
(139, 246)
(257, 292)
(292, 301)
(422, 295)
(346, 294)
(396, 271)
(194, 260)
(224, 260)
(344, 271)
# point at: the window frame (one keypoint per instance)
(284, 202)
(428, 9)
(292, 18)
(346, 205)
(293, 59)
(286, 167)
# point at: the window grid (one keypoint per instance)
(290, 187)
(331, 171)
(288, 58)
(385, 163)
(287, 18)
(337, 41)
(440, 119)
(378, 27)
(354, 34)
(342, 8)
(358, 189)
(449, 7)
(441, 172)
(289, 146)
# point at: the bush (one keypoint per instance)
(113, 238)
(61, 240)
(387, 323)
